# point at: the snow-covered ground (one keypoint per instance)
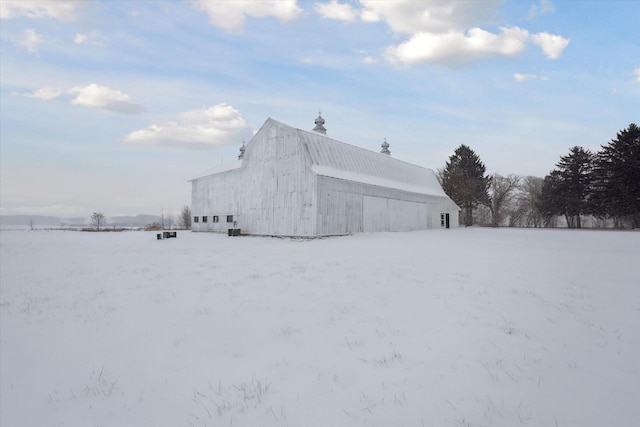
(468, 327)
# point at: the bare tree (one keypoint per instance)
(185, 217)
(98, 220)
(529, 201)
(501, 189)
(169, 221)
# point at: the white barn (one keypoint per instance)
(291, 182)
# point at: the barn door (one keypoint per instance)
(444, 220)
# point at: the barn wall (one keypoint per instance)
(215, 195)
(280, 188)
(351, 207)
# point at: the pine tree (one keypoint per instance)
(463, 179)
(617, 178)
(550, 202)
(567, 190)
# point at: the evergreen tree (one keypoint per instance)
(550, 202)
(463, 179)
(617, 178)
(567, 190)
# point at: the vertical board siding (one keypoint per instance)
(275, 184)
(214, 195)
(351, 207)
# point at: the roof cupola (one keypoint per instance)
(241, 155)
(385, 148)
(320, 124)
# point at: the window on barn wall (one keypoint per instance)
(216, 218)
(195, 219)
(229, 218)
(441, 220)
(204, 219)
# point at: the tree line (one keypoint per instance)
(183, 221)
(603, 186)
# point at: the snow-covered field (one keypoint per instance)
(468, 327)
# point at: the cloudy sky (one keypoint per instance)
(114, 105)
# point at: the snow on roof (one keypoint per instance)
(224, 167)
(374, 180)
(330, 157)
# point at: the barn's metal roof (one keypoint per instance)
(336, 159)
(330, 157)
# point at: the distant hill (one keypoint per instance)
(40, 220)
(54, 221)
(133, 221)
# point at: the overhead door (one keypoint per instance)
(382, 214)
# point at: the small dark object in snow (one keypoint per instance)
(167, 235)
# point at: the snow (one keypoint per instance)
(433, 190)
(467, 327)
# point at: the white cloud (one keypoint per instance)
(369, 60)
(59, 9)
(447, 32)
(216, 126)
(518, 77)
(230, 15)
(544, 7)
(44, 94)
(104, 98)
(552, 45)
(93, 38)
(636, 73)
(31, 40)
(455, 47)
(369, 16)
(434, 16)
(337, 11)
(80, 38)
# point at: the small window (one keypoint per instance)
(195, 219)
(216, 218)
(441, 220)
(229, 218)
(204, 219)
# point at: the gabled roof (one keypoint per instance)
(336, 159)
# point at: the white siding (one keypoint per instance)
(215, 195)
(279, 198)
(352, 207)
(380, 214)
(375, 214)
(272, 193)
